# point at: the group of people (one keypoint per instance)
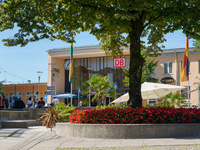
(18, 103)
(30, 103)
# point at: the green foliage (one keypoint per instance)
(147, 69)
(101, 85)
(197, 45)
(58, 113)
(64, 110)
(118, 106)
(86, 101)
(2, 92)
(170, 100)
(173, 100)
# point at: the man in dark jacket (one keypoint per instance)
(5, 102)
(19, 104)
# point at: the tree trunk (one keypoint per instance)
(99, 101)
(136, 64)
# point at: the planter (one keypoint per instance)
(127, 131)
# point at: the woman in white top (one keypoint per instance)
(30, 103)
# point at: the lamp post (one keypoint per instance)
(39, 74)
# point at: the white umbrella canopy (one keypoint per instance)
(123, 98)
(151, 91)
(157, 90)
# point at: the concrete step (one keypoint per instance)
(19, 123)
(12, 115)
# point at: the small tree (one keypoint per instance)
(101, 85)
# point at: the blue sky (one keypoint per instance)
(19, 64)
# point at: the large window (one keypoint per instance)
(167, 67)
(85, 68)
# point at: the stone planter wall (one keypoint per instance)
(127, 131)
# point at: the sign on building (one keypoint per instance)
(119, 62)
(51, 90)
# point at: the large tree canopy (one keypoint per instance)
(115, 23)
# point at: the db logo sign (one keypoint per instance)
(119, 62)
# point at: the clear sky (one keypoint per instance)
(19, 64)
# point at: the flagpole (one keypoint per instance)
(71, 69)
(71, 96)
(188, 94)
(185, 69)
(71, 82)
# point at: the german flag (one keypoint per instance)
(185, 68)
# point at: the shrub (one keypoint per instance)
(50, 117)
(65, 110)
(157, 115)
(58, 113)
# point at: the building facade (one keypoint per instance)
(24, 91)
(92, 60)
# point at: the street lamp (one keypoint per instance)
(39, 74)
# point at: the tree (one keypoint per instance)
(147, 70)
(2, 92)
(115, 23)
(197, 45)
(101, 85)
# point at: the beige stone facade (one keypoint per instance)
(91, 60)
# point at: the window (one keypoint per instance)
(152, 102)
(167, 67)
(28, 93)
(110, 75)
(182, 65)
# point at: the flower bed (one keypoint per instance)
(156, 115)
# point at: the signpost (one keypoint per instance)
(79, 91)
(116, 86)
(119, 62)
(51, 90)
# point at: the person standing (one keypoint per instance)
(55, 100)
(19, 104)
(40, 103)
(5, 102)
(30, 103)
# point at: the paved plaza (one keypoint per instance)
(41, 138)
